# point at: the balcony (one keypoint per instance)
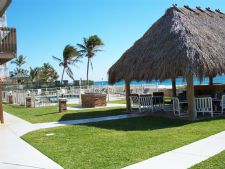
(8, 45)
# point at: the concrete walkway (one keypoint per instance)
(107, 106)
(186, 156)
(16, 153)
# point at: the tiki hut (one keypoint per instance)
(184, 42)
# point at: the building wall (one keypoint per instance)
(3, 68)
(3, 22)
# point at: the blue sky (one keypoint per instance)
(45, 27)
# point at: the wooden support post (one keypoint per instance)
(1, 108)
(174, 87)
(127, 86)
(210, 80)
(191, 97)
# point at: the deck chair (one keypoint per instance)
(145, 103)
(177, 108)
(134, 100)
(204, 105)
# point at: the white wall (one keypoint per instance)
(3, 22)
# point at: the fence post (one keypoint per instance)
(80, 94)
(108, 92)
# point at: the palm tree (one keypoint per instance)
(21, 72)
(89, 48)
(34, 73)
(47, 73)
(70, 57)
(19, 61)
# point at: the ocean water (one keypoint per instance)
(179, 81)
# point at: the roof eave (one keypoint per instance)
(5, 7)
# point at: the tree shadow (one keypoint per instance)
(144, 123)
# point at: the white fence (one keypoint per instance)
(50, 96)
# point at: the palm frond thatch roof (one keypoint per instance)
(183, 41)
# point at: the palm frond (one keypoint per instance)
(57, 59)
(82, 46)
(69, 52)
(97, 50)
(61, 64)
(69, 73)
(82, 51)
(74, 62)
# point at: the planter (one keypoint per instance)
(28, 102)
(62, 105)
(10, 99)
(93, 100)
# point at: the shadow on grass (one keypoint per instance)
(92, 114)
(139, 124)
(145, 123)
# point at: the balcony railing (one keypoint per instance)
(8, 45)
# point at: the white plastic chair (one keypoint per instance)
(146, 103)
(204, 105)
(134, 102)
(177, 108)
(141, 103)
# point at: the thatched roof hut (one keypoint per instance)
(183, 42)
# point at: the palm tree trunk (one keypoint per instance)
(62, 75)
(88, 71)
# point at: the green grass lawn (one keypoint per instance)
(116, 144)
(215, 162)
(50, 114)
(118, 101)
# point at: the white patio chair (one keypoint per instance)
(145, 103)
(204, 105)
(222, 104)
(134, 100)
(177, 108)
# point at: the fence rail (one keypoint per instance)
(8, 40)
(50, 96)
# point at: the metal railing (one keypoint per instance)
(8, 40)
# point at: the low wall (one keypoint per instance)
(93, 100)
(209, 89)
(169, 92)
